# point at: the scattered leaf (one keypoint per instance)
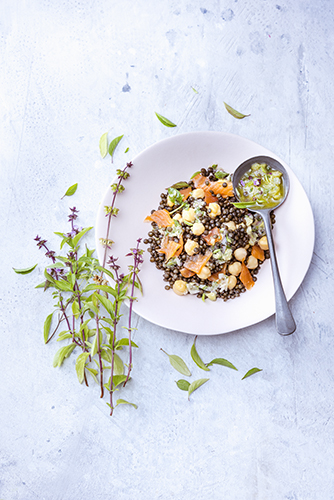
(180, 185)
(183, 384)
(113, 145)
(165, 121)
(123, 402)
(195, 385)
(71, 190)
(178, 364)
(127, 149)
(222, 362)
(234, 112)
(61, 354)
(196, 357)
(251, 372)
(103, 144)
(27, 270)
(196, 92)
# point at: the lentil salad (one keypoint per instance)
(205, 245)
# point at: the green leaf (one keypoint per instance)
(174, 195)
(47, 326)
(251, 372)
(196, 357)
(78, 236)
(196, 92)
(62, 353)
(124, 341)
(94, 345)
(71, 190)
(127, 149)
(118, 365)
(27, 270)
(123, 402)
(107, 304)
(180, 185)
(118, 379)
(178, 364)
(234, 112)
(222, 362)
(75, 309)
(183, 384)
(103, 144)
(194, 175)
(80, 366)
(165, 121)
(113, 145)
(195, 385)
(93, 373)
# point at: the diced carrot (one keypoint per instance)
(197, 262)
(257, 252)
(169, 247)
(161, 217)
(246, 277)
(214, 277)
(185, 192)
(186, 273)
(212, 237)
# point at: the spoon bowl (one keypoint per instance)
(285, 323)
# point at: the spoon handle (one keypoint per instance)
(285, 323)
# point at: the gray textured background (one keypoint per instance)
(70, 70)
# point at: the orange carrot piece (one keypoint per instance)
(186, 273)
(185, 192)
(160, 217)
(168, 247)
(257, 252)
(197, 262)
(210, 237)
(246, 277)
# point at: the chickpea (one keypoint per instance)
(177, 217)
(205, 273)
(169, 202)
(240, 253)
(230, 225)
(190, 246)
(189, 215)
(214, 210)
(198, 228)
(263, 243)
(198, 193)
(180, 287)
(212, 296)
(231, 282)
(235, 268)
(252, 262)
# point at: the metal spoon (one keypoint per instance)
(285, 323)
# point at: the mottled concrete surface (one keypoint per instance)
(71, 70)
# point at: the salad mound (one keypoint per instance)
(204, 244)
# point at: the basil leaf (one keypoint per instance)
(47, 326)
(118, 365)
(222, 362)
(103, 144)
(80, 366)
(220, 174)
(113, 145)
(165, 121)
(196, 92)
(178, 364)
(234, 112)
(127, 149)
(124, 341)
(183, 384)
(194, 175)
(123, 402)
(78, 236)
(180, 185)
(251, 372)
(195, 385)
(71, 190)
(175, 196)
(118, 379)
(27, 270)
(196, 357)
(62, 353)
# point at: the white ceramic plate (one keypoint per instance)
(176, 159)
